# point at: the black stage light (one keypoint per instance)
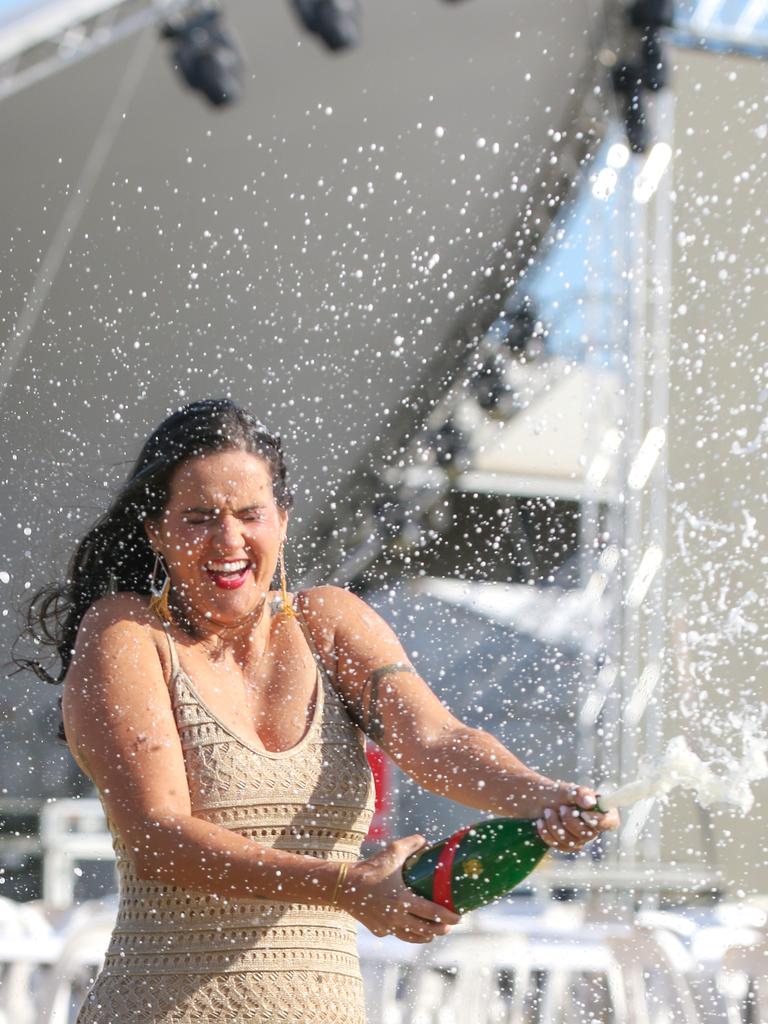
(489, 384)
(652, 13)
(655, 71)
(636, 123)
(390, 514)
(628, 83)
(522, 326)
(337, 22)
(449, 444)
(206, 56)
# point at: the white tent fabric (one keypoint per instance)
(575, 414)
(573, 618)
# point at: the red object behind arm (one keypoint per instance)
(382, 777)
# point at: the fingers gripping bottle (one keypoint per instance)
(477, 864)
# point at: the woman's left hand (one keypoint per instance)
(569, 826)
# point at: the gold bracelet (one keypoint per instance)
(343, 868)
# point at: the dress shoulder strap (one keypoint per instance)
(308, 636)
(171, 649)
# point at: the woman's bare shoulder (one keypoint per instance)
(329, 599)
(338, 615)
(124, 605)
(116, 628)
(327, 605)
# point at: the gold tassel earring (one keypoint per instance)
(158, 601)
(287, 610)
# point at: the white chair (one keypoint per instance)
(71, 831)
(572, 976)
(741, 915)
(653, 971)
(579, 979)
(598, 973)
(554, 968)
(82, 955)
(667, 921)
(678, 932)
(745, 980)
(387, 967)
(28, 944)
(471, 977)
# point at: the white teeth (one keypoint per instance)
(228, 566)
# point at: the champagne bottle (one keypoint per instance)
(477, 864)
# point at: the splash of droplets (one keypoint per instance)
(680, 767)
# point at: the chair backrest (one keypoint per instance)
(741, 915)
(83, 949)
(71, 831)
(641, 952)
(10, 920)
(87, 943)
(33, 921)
(467, 976)
(753, 962)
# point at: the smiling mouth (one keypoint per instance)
(229, 575)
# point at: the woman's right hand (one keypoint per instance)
(570, 819)
(374, 892)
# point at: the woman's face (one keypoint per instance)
(220, 535)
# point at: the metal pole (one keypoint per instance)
(660, 309)
(608, 692)
(633, 538)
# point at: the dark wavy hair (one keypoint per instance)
(115, 554)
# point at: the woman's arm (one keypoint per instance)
(399, 712)
(473, 768)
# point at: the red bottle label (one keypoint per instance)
(441, 887)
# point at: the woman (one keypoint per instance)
(222, 724)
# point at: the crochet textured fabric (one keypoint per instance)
(178, 956)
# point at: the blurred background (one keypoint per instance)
(493, 271)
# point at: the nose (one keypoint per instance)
(228, 535)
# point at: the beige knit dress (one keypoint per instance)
(192, 958)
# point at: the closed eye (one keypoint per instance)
(249, 517)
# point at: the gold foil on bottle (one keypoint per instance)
(472, 867)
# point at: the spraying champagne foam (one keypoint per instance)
(680, 767)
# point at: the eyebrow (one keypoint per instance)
(216, 508)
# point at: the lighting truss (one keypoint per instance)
(48, 39)
(724, 25)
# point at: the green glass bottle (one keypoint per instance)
(477, 864)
